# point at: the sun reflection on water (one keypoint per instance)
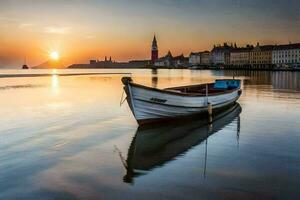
(54, 71)
(55, 84)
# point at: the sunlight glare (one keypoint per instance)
(55, 84)
(54, 55)
(54, 71)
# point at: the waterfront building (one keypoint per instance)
(195, 59)
(93, 62)
(180, 61)
(141, 63)
(165, 61)
(204, 58)
(261, 57)
(220, 55)
(199, 58)
(105, 61)
(240, 57)
(287, 55)
(154, 50)
(171, 61)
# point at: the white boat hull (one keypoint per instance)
(152, 105)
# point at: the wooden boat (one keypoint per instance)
(150, 105)
(156, 145)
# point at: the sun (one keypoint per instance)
(54, 55)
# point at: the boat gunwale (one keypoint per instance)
(169, 91)
(195, 85)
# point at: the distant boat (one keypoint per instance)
(154, 146)
(25, 64)
(150, 105)
(25, 67)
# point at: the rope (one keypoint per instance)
(122, 100)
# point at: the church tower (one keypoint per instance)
(154, 50)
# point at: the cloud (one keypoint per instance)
(25, 25)
(56, 30)
(8, 19)
(90, 37)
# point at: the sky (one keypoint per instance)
(92, 29)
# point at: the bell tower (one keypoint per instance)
(154, 50)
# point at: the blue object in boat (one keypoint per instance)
(227, 84)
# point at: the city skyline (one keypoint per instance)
(82, 30)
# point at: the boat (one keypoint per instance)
(25, 67)
(150, 105)
(157, 145)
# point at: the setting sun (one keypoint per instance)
(54, 55)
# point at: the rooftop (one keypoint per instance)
(287, 46)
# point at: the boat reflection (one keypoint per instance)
(154, 146)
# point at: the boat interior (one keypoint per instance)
(219, 86)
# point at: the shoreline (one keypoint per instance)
(203, 67)
(198, 68)
(51, 74)
(129, 68)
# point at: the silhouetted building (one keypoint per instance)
(154, 50)
(165, 61)
(105, 61)
(141, 63)
(170, 61)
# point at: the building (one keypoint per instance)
(199, 58)
(165, 61)
(240, 57)
(180, 61)
(142, 63)
(204, 58)
(170, 61)
(154, 50)
(220, 55)
(105, 61)
(261, 57)
(287, 55)
(195, 59)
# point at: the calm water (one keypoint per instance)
(69, 138)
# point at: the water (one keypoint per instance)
(67, 137)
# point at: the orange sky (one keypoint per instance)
(82, 30)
